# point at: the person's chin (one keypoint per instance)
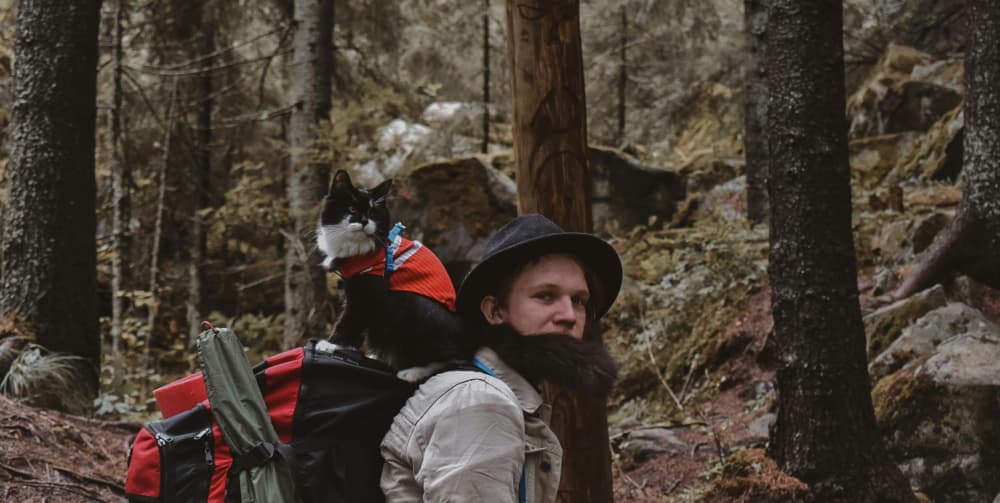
(560, 357)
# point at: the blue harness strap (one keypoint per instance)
(390, 248)
(522, 488)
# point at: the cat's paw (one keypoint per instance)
(417, 374)
(325, 346)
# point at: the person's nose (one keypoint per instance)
(564, 314)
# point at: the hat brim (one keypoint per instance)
(599, 257)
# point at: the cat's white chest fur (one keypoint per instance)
(344, 240)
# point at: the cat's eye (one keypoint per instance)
(353, 210)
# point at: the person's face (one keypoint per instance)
(549, 296)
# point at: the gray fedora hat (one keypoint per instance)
(534, 235)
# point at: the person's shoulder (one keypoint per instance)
(465, 386)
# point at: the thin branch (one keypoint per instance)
(199, 59)
(199, 71)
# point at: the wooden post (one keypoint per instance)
(553, 178)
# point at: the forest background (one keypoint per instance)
(204, 102)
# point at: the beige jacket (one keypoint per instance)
(464, 436)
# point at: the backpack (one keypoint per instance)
(330, 411)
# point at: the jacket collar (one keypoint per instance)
(526, 394)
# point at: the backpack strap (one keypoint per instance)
(522, 489)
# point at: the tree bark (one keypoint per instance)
(154, 254)
(49, 250)
(305, 280)
(825, 433)
(553, 178)
(622, 76)
(202, 176)
(485, 147)
(971, 244)
(981, 170)
(121, 239)
(755, 110)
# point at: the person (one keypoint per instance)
(482, 434)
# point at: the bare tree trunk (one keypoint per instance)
(201, 179)
(622, 76)
(49, 251)
(305, 280)
(553, 178)
(825, 433)
(154, 254)
(486, 77)
(755, 109)
(119, 186)
(971, 245)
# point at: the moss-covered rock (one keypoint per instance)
(883, 326)
(937, 412)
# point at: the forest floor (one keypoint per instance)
(49, 456)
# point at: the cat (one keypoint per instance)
(408, 315)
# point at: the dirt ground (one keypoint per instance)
(48, 456)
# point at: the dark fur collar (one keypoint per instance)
(576, 364)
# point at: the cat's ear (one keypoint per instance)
(341, 182)
(381, 190)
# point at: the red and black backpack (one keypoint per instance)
(330, 410)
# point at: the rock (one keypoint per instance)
(642, 444)
(873, 157)
(453, 207)
(399, 143)
(727, 201)
(937, 411)
(937, 155)
(626, 192)
(926, 228)
(761, 426)
(884, 326)
(893, 100)
(903, 239)
(891, 239)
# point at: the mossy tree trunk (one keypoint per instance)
(553, 178)
(971, 245)
(755, 109)
(305, 280)
(825, 433)
(49, 251)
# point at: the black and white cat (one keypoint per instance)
(406, 304)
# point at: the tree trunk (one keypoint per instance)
(154, 254)
(202, 178)
(622, 77)
(49, 251)
(981, 170)
(486, 77)
(971, 244)
(553, 178)
(121, 239)
(825, 432)
(305, 280)
(755, 110)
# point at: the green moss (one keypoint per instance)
(883, 330)
(749, 475)
(902, 399)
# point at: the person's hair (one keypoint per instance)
(514, 265)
